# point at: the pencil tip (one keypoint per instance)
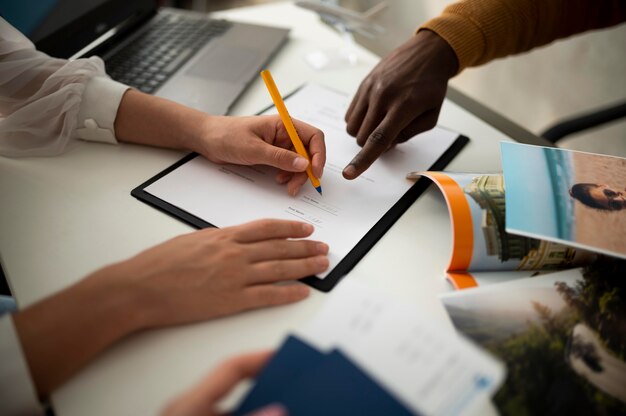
(319, 189)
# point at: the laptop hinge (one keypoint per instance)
(106, 39)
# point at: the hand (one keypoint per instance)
(263, 140)
(155, 121)
(400, 98)
(202, 275)
(217, 272)
(202, 399)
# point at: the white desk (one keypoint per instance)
(63, 217)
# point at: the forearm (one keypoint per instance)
(61, 333)
(155, 121)
(43, 100)
(482, 30)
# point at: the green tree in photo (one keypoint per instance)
(540, 380)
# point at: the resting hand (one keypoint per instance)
(202, 399)
(263, 140)
(202, 275)
(400, 98)
(216, 272)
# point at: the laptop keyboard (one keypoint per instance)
(151, 58)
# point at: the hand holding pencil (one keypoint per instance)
(313, 170)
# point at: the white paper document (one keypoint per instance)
(226, 195)
(432, 371)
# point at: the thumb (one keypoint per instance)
(280, 158)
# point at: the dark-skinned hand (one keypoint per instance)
(400, 98)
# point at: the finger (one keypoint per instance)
(275, 409)
(377, 143)
(357, 110)
(318, 161)
(283, 177)
(262, 153)
(202, 399)
(313, 140)
(316, 146)
(353, 103)
(306, 132)
(228, 374)
(283, 270)
(373, 118)
(270, 229)
(424, 122)
(285, 249)
(261, 296)
(296, 182)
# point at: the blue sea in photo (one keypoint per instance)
(537, 181)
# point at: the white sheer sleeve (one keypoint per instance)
(47, 103)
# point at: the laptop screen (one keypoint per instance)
(63, 27)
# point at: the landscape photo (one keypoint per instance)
(562, 337)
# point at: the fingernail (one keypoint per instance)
(307, 228)
(302, 290)
(349, 172)
(322, 261)
(271, 410)
(300, 163)
(322, 248)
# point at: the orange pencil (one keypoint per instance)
(291, 129)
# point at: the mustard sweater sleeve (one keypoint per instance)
(482, 30)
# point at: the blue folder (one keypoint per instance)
(308, 382)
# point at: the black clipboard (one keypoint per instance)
(354, 255)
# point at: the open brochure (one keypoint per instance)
(543, 222)
(561, 336)
(480, 243)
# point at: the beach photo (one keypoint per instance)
(570, 197)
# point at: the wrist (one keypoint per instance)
(146, 119)
(192, 134)
(76, 324)
(202, 135)
(443, 54)
(121, 298)
(209, 136)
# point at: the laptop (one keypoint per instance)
(181, 55)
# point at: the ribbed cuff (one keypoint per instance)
(463, 36)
